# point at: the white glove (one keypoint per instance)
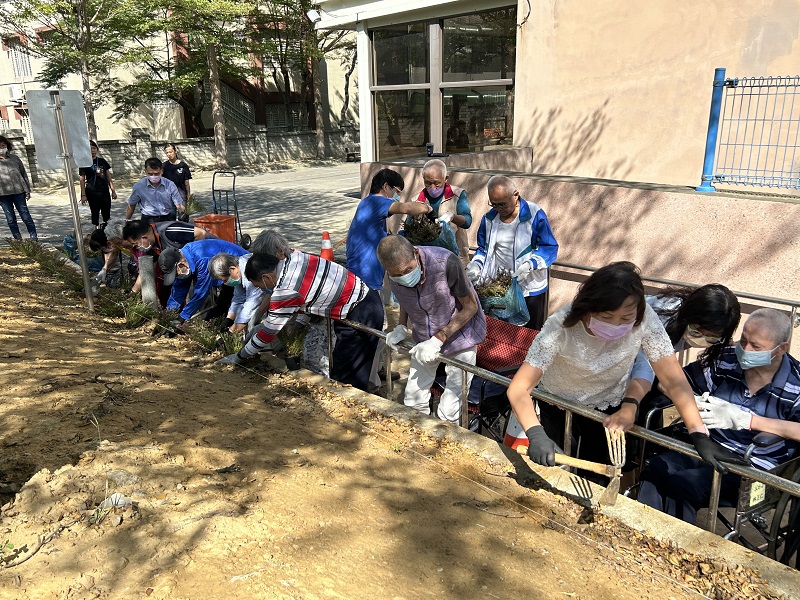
(101, 276)
(446, 217)
(426, 352)
(396, 336)
(473, 271)
(523, 269)
(719, 414)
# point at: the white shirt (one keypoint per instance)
(246, 296)
(504, 246)
(583, 368)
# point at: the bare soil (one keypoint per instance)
(257, 485)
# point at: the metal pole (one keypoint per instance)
(329, 328)
(464, 400)
(711, 136)
(713, 502)
(388, 367)
(76, 217)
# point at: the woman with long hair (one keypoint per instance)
(15, 190)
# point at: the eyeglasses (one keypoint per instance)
(500, 205)
(696, 333)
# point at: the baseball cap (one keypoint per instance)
(168, 263)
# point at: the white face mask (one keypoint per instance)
(3, 150)
(154, 179)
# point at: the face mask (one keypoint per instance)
(232, 282)
(266, 289)
(750, 359)
(607, 331)
(154, 179)
(436, 192)
(396, 197)
(696, 342)
(145, 248)
(409, 279)
(3, 150)
(183, 276)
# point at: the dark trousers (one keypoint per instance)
(537, 309)
(172, 216)
(355, 350)
(99, 202)
(680, 485)
(9, 203)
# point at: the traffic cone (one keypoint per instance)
(327, 249)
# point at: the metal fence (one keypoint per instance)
(753, 132)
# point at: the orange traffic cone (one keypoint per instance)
(327, 250)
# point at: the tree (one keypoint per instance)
(72, 36)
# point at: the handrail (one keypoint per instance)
(574, 407)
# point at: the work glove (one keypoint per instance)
(446, 217)
(541, 449)
(523, 269)
(176, 326)
(473, 271)
(226, 324)
(396, 336)
(101, 276)
(720, 414)
(713, 453)
(428, 351)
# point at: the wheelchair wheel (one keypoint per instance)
(784, 533)
(245, 241)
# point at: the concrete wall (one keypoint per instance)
(127, 157)
(746, 243)
(621, 89)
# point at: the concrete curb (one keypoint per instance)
(782, 579)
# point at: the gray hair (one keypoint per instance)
(775, 322)
(394, 249)
(435, 164)
(501, 183)
(271, 242)
(220, 265)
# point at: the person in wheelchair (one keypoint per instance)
(446, 318)
(751, 387)
(586, 353)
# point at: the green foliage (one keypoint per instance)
(137, 312)
(52, 263)
(421, 230)
(110, 302)
(204, 334)
(230, 343)
(497, 287)
(293, 337)
(194, 206)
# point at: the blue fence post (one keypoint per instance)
(711, 136)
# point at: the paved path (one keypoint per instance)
(300, 201)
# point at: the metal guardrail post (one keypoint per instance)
(711, 135)
(329, 331)
(388, 367)
(713, 502)
(464, 400)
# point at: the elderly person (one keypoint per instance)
(306, 283)
(229, 269)
(156, 196)
(189, 265)
(449, 203)
(15, 189)
(586, 353)
(369, 225)
(515, 237)
(750, 387)
(442, 308)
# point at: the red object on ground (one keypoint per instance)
(326, 251)
(222, 226)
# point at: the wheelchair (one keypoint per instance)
(762, 519)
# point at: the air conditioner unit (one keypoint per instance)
(16, 94)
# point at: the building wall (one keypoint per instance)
(622, 89)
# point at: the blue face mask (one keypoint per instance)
(409, 279)
(396, 197)
(266, 289)
(750, 359)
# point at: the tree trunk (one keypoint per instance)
(346, 99)
(318, 109)
(220, 143)
(287, 97)
(88, 105)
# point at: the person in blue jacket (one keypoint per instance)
(188, 264)
(515, 237)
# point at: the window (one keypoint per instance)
(467, 106)
(19, 56)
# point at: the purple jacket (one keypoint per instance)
(431, 305)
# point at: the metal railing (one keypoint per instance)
(753, 132)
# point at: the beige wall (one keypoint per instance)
(622, 89)
(745, 243)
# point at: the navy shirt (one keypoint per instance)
(779, 399)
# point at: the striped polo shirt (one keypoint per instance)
(777, 400)
(309, 284)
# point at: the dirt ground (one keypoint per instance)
(257, 485)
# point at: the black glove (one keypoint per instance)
(226, 324)
(541, 449)
(712, 452)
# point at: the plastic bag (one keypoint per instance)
(510, 308)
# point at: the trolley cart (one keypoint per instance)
(223, 192)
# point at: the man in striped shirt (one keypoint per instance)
(753, 386)
(307, 283)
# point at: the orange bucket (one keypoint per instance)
(222, 226)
